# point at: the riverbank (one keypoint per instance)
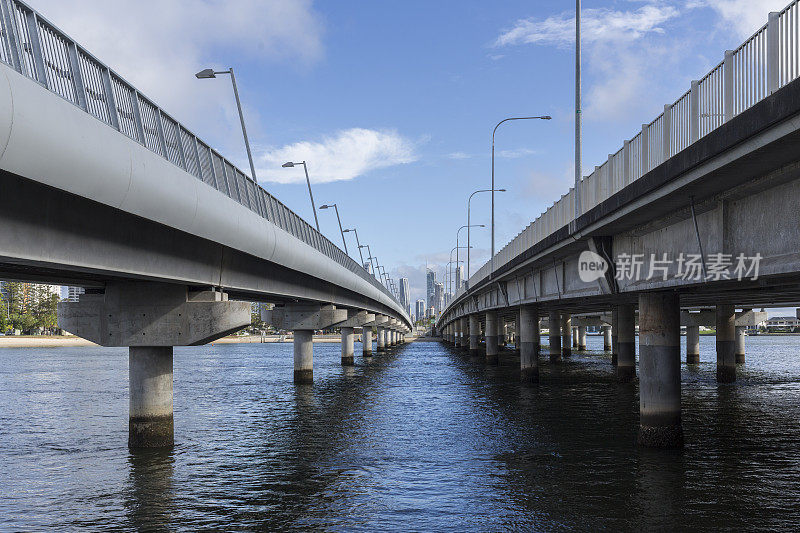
(57, 341)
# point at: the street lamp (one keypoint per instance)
(289, 164)
(451, 261)
(468, 218)
(358, 243)
(340, 224)
(468, 226)
(211, 73)
(543, 117)
(370, 258)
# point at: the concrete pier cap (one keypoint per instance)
(150, 318)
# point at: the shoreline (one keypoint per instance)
(58, 341)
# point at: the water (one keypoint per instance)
(421, 440)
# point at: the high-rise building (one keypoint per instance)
(438, 297)
(431, 288)
(459, 276)
(420, 310)
(402, 286)
(368, 266)
(74, 293)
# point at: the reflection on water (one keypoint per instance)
(420, 439)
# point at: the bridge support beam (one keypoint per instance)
(659, 366)
(529, 339)
(491, 338)
(474, 335)
(581, 337)
(626, 343)
(726, 341)
(348, 346)
(366, 341)
(381, 344)
(150, 318)
(150, 422)
(566, 334)
(740, 338)
(554, 326)
(464, 321)
(303, 356)
(606, 338)
(614, 336)
(692, 345)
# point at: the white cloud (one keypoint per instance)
(459, 155)
(343, 156)
(159, 45)
(596, 25)
(516, 154)
(744, 16)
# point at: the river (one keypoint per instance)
(422, 439)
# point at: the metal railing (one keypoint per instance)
(37, 49)
(764, 63)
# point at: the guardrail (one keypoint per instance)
(760, 66)
(40, 51)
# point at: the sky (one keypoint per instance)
(392, 104)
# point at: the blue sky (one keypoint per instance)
(393, 103)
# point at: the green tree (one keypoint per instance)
(3, 314)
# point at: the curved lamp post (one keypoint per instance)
(290, 164)
(468, 220)
(340, 224)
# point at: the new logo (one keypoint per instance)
(591, 266)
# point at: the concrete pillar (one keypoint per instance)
(464, 334)
(459, 333)
(150, 423)
(381, 339)
(692, 345)
(659, 368)
(726, 344)
(574, 338)
(529, 339)
(739, 352)
(366, 341)
(554, 319)
(626, 343)
(303, 356)
(501, 336)
(474, 334)
(348, 338)
(491, 338)
(581, 337)
(606, 338)
(566, 334)
(614, 336)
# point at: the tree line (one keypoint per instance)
(27, 307)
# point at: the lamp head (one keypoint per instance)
(206, 73)
(546, 117)
(288, 164)
(326, 206)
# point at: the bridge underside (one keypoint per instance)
(49, 235)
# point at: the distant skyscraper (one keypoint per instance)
(431, 288)
(420, 309)
(368, 266)
(402, 286)
(459, 276)
(438, 297)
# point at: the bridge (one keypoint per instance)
(101, 188)
(693, 218)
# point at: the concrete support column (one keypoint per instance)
(529, 339)
(150, 423)
(381, 339)
(348, 338)
(474, 334)
(491, 338)
(581, 337)
(626, 343)
(726, 344)
(566, 334)
(739, 352)
(614, 336)
(554, 319)
(606, 338)
(366, 341)
(459, 333)
(660, 373)
(692, 345)
(574, 338)
(303, 356)
(501, 328)
(464, 334)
